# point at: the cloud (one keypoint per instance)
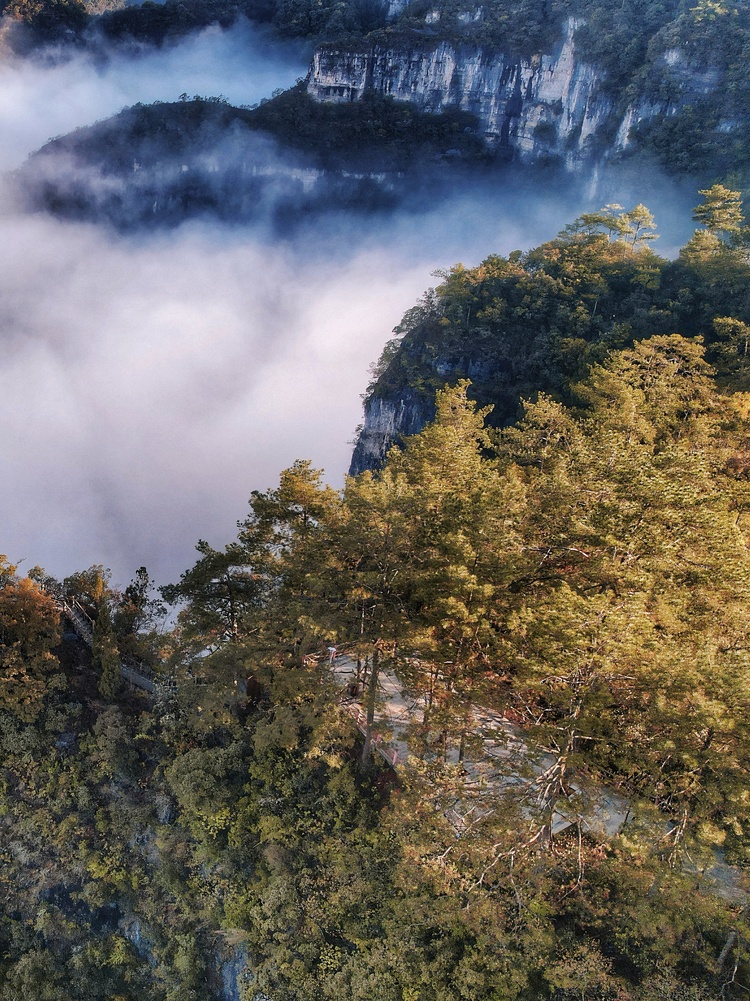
(148, 386)
(149, 382)
(53, 94)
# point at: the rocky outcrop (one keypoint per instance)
(546, 107)
(236, 976)
(386, 422)
(680, 80)
(549, 105)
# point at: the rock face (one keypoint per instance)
(236, 976)
(550, 106)
(386, 422)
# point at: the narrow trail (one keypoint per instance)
(502, 761)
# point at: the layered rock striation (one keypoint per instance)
(387, 422)
(534, 109)
(549, 104)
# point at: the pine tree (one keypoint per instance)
(104, 647)
(625, 643)
(461, 516)
(721, 212)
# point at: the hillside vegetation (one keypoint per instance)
(537, 320)
(282, 162)
(585, 571)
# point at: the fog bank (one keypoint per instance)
(149, 386)
(43, 97)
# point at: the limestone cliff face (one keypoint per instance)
(549, 106)
(386, 422)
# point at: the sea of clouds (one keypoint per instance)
(149, 382)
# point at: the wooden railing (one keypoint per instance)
(83, 625)
(357, 713)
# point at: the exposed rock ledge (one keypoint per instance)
(550, 106)
(386, 423)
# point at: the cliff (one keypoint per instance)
(158, 165)
(535, 322)
(536, 108)
(387, 422)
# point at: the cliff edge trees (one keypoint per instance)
(586, 571)
(536, 321)
(29, 632)
(568, 83)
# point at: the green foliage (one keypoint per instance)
(699, 135)
(201, 781)
(374, 133)
(650, 52)
(536, 321)
(222, 588)
(721, 211)
(617, 37)
(88, 586)
(352, 144)
(48, 19)
(105, 652)
(328, 18)
(148, 22)
(515, 27)
(136, 617)
(155, 23)
(29, 631)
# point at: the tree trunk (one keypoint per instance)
(371, 696)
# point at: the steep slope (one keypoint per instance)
(549, 104)
(537, 107)
(158, 165)
(536, 321)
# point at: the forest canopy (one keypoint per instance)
(536, 321)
